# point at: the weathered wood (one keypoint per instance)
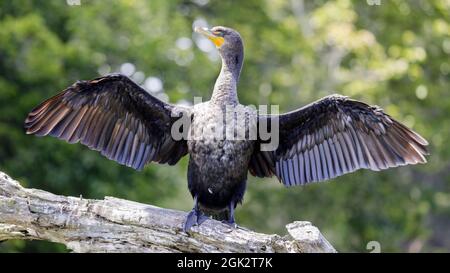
(116, 225)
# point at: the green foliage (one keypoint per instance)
(395, 55)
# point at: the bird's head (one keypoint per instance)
(227, 40)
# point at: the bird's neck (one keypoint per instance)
(225, 89)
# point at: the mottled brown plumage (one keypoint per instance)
(323, 140)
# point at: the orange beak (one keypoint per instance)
(217, 40)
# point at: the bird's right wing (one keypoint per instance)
(335, 136)
(114, 116)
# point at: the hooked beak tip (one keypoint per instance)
(202, 30)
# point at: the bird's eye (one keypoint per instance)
(218, 32)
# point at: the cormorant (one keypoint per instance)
(328, 138)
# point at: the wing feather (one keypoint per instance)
(337, 135)
(114, 116)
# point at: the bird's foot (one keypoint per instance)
(232, 224)
(195, 217)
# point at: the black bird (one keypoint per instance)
(328, 138)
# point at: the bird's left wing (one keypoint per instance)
(112, 115)
(335, 136)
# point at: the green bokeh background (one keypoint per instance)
(395, 54)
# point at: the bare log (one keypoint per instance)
(116, 225)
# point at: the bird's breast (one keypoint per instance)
(220, 144)
(218, 124)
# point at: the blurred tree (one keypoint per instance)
(394, 54)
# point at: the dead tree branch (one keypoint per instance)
(116, 225)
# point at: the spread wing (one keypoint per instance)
(335, 136)
(114, 116)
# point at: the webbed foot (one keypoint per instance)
(195, 217)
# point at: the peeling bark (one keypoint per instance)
(117, 225)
